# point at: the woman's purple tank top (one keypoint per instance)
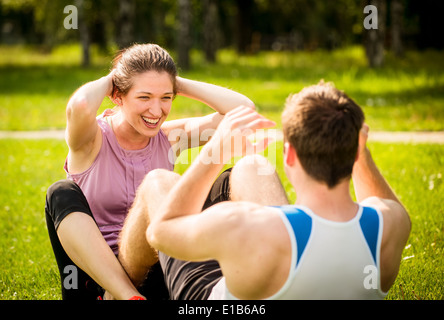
(111, 182)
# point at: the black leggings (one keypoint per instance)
(65, 197)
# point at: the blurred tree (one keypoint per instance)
(244, 24)
(397, 11)
(125, 36)
(429, 23)
(374, 38)
(83, 32)
(184, 40)
(210, 29)
(49, 18)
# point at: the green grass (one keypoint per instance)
(28, 266)
(407, 94)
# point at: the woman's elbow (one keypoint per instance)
(77, 104)
(248, 103)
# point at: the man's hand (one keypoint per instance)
(231, 137)
(363, 137)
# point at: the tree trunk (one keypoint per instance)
(211, 30)
(84, 33)
(374, 38)
(125, 35)
(244, 11)
(184, 40)
(397, 17)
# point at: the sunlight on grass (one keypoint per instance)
(415, 172)
(407, 94)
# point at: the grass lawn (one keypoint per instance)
(28, 265)
(405, 95)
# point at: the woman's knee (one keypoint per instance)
(64, 197)
(57, 192)
(60, 187)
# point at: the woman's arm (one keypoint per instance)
(82, 109)
(218, 98)
(82, 132)
(192, 132)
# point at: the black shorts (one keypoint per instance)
(65, 197)
(187, 280)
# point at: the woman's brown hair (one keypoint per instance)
(140, 58)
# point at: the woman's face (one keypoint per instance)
(148, 102)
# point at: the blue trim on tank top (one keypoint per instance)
(301, 224)
(369, 222)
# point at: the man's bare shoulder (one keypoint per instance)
(244, 209)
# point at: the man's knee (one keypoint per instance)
(253, 165)
(157, 180)
(254, 179)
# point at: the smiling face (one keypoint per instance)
(148, 103)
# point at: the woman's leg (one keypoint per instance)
(75, 283)
(79, 237)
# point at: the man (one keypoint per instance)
(326, 246)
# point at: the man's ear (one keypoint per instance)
(289, 154)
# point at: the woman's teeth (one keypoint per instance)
(150, 121)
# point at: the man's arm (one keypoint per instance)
(187, 196)
(368, 180)
(177, 218)
(372, 189)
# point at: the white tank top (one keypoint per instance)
(330, 260)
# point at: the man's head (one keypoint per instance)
(322, 124)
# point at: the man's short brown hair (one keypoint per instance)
(322, 123)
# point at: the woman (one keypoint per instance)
(97, 217)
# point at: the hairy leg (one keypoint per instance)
(254, 179)
(135, 253)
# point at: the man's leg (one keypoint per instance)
(135, 253)
(254, 179)
(187, 280)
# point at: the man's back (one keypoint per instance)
(332, 260)
(329, 259)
